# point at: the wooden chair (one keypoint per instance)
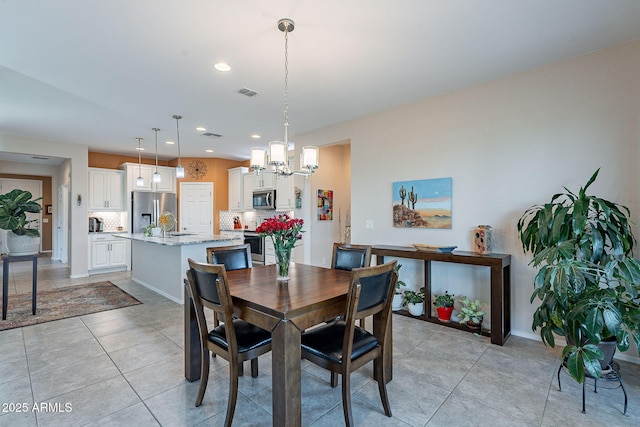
(342, 347)
(234, 257)
(235, 340)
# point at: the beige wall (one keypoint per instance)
(507, 144)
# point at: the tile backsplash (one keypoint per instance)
(112, 220)
(250, 220)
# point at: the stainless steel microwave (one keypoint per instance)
(264, 199)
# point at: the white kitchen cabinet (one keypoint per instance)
(108, 252)
(236, 188)
(167, 182)
(236, 235)
(248, 179)
(264, 181)
(286, 192)
(106, 190)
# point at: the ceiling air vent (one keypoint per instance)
(212, 135)
(247, 92)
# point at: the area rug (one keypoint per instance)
(65, 302)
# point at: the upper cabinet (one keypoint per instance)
(264, 181)
(286, 192)
(248, 179)
(167, 182)
(236, 188)
(106, 190)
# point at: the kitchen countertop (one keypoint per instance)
(174, 240)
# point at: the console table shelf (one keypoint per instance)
(500, 265)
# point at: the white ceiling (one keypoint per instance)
(102, 73)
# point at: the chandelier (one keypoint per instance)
(277, 154)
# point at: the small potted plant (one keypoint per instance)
(471, 313)
(415, 301)
(396, 303)
(444, 306)
(21, 238)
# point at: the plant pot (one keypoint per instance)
(396, 303)
(22, 245)
(474, 326)
(444, 314)
(416, 309)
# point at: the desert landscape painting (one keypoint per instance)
(424, 203)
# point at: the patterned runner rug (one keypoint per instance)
(65, 302)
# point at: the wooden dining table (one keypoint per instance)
(311, 296)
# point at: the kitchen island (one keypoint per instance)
(159, 263)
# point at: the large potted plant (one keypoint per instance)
(21, 238)
(588, 281)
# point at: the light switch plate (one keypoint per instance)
(368, 224)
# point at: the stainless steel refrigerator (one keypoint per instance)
(147, 206)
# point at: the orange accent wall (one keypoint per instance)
(113, 161)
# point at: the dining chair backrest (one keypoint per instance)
(377, 286)
(347, 257)
(208, 288)
(233, 257)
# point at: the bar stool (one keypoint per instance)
(613, 375)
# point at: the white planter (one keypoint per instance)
(416, 309)
(22, 245)
(396, 303)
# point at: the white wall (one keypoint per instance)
(507, 144)
(75, 172)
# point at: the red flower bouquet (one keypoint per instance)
(285, 233)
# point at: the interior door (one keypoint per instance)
(35, 187)
(196, 207)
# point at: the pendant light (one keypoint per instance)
(156, 174)
(139, 180)
(277, 156)
(179, 168)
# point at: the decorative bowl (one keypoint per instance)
(429, 248)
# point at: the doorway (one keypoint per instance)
(196, 207)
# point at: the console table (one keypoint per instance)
(6, 259)
(500, 265)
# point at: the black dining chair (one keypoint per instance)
(233, 257)
(234, 341)
(342, 347)
(346, 256)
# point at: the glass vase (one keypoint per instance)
(283, 259)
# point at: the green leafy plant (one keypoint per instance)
(471, 310)
(414, 297)
(399, 283)
(14, 207)
(588, 281)
(444, 300)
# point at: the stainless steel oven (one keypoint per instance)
(257, 246)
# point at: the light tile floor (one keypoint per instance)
(125, 367)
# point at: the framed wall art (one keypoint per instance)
(325, 205)
(424, 203)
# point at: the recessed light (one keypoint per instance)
(170, 143)
(222, 66)
(139, 148)
(255, 136)
(201, 129)
(209, 151)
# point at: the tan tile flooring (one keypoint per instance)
(125, 367)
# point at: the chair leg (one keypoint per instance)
(346, 399)
(334, 380)
(254, 368)
(240, 369)
(382, 388)
(233, 393)
(204, 376)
